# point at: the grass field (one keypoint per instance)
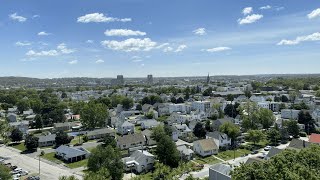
(19, 146)
(229, 154)
(206, 160)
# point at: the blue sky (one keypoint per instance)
(103, 38)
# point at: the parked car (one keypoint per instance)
(255, 152)
(33, 178)
(24, 173)
(267, 148)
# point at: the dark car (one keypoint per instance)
(255, 152)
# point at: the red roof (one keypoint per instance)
(314, 138)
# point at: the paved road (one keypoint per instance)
(48, 171)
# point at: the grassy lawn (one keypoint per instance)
(50, 157)
(19, 146)
(229, 154)
(206, 160)
(137, 129)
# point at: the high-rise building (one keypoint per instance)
(150, 79)
(118, 81)
(208, 79)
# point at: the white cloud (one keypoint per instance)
(130, 45)
(99, 17)
(265, 7)
(137, 60)
(279, 8)
(123, 32)
(135, 57)
(200, 31)
(42, 53)
(73, 62)
(217, 49)
(99, 61)
(89, 41)
(247, 10)
(162, 45)
(315, 13)
(25, 43)
(63, 49)
(299, 39)
(168, 49)
(43, 33)
(181, 48)
(35, 16)
(16, 17)
(250, 19)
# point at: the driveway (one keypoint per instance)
(47, 171)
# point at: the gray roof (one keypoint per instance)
(147, 133)
(50, 137)
(70, 152)
(130, 138)
(126, 123)
(100, 132)
(215, 134)
(69, 124)
(184, 150)
(273, 151)
(222, 168)
(150, 123)
(138, 156)
(298, 144)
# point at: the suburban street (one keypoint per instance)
(48, 171)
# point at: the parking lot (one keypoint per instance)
(26, 163)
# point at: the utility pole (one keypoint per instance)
(39, 165)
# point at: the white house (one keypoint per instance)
(23, 126)
(125, 128)
(183, 108)
(131, 141)
(182, 130)
(185, 152)
(139, 161)
(205, 147)
(221, 139)
(203, 106)
(149, 124)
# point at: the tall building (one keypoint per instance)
(208, 79)
(118, 81)
(150, 79)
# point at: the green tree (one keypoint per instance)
(23, 105)
(289, 164)
(38, 121)
(199, 130)
(273, 135)
(304, 117)
(68, 178)
(284, 98)
(167, 152)
(255, 136)
(180, 100)
(138, 107)
(5, 173)
(94, 115)
(292, 127)
(127, 103)
(208, 125)
(16, 135)
(62, 138)
(318, 93)
(266, 118)
(31, 142)
(157, 133)
(232, 130)
(108, 158)
(102, 174)
(231, 110)
(109, 141)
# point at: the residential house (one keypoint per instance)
(298, 144)
(182, 108)
(66, 126)
(100, 133)
(272, 152)
(28, 112)
(147, 135)
(185, 152)
(48, 140)
(12, 117)
(203, 106)
(146, 108)
(221, 139)
(71, 154)
(130, 141)
(13, 110)
(217, 123)
(149, 124)
(290, 114)
(125, 128)
(205, 147)
(23, 126)
(182, 130)
(139, 161)
(314, 138)
(220, 172)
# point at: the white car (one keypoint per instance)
(24, 173)
(267, 148)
